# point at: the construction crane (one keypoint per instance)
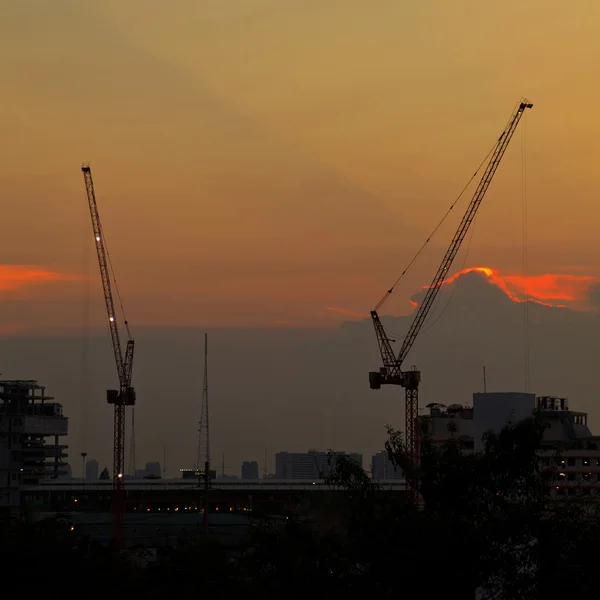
(391, 373)
(125, 395)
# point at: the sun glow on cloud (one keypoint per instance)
(542, 289)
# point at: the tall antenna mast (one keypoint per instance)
(203, 458)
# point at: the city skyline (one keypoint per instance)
(328, 371)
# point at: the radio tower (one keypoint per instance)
(203, 459)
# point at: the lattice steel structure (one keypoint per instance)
(391, 373)
(125, 395)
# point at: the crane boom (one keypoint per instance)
(104, 272)
(125, 396)
(393, 363)
(391, 372)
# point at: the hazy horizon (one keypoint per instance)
(294, 388)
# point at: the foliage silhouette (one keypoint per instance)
(487, 525)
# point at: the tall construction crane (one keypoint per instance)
(125, 395)
(391, 373)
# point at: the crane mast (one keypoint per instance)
(391, 372)
(125, 395)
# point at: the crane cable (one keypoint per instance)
(438, 299)
(455, 285)
(85, 338)
(114, 278)
(525, 244)
(524, 257)
(416, 256)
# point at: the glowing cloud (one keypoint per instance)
(15, 277)
(536, 288)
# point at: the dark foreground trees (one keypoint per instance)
(487, 526)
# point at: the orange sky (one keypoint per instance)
(274, 162)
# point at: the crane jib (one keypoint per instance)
(124, 362)
(391, 371)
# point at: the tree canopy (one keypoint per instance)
(487, 527)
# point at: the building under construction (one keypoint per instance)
(31, 450)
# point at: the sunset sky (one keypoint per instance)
(273, 162)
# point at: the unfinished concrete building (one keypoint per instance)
(31, 449)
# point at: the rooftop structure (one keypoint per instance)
(31, 451)
(449, 421)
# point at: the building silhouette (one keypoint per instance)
(250, 470)
(383, 469)
(92, 469)
(311, 465)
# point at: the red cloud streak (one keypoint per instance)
(15, 277)
(536, 288)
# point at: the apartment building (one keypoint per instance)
(568, 445)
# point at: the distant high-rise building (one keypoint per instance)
(383, 468)
(91, 470)
(250, 470)
(153, 468)
(309, 465)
